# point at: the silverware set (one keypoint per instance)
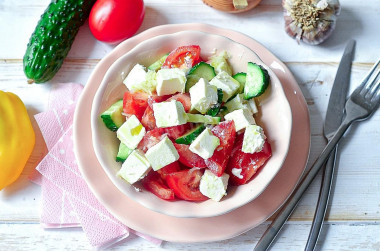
(340, 115)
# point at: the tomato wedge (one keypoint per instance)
(184, 98)
(185, 184)
(135, 103)
(248, 163)
(148, 120)
(151, 138)
(155, 184)
(225, 131)
(171, 168)
(183, 57)
(188, 158)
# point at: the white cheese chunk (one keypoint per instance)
(213, 186)
(162, 154)
(170, 81)
(237, 172)
(238, 102)
(252, 105)
(203, 96)
(136, 77)
(228, 84)
(135, 167)
(241, 117)
(205, 144)
(169, 113)
(254, 139)
(131, 132)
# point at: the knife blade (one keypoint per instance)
(334, 117)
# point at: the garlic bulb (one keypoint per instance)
(310, 21)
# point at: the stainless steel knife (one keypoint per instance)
(334, 117)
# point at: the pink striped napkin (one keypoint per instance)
(66, 199)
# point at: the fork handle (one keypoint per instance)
(287, 209)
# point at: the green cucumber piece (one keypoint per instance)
(257, 81)
(204, 119)
(213, 111)
(123, 153)
(200, 70)
(158, 64)
(113, 117)
(241, 78)
(52, 38)
(190, 136)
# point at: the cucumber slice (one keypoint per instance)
(213, 111)
(157, 65)
(190, 136)
(204, 119)
(257, 81)
(123, 153)
(112, 117)
(200, 70)
(241, 78)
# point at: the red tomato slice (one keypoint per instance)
(185, 184)
(151, 138)
(188, 158)
(184, 98)
(156, 185)
(148, 120)
(249, 163)
(135, 103)
(171, 168)
(175, 131)
(183, 57)
(225, 131)
(157, 99)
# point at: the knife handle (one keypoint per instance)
(287, 209)
(323, 199)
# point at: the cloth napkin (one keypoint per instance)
(66, 199)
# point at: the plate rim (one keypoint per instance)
(196, 237)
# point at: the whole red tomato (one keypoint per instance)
(112, 21)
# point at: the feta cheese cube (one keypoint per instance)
(136, 77)
(252, 105)
(169, 113)
(238, 102)
(213, 186)
(237, 172)
(203, 96)
(170, 81)
(131, 132)
(227, 83)
(135, 167)
(254, 139)
(162, 154)
(241, 117)
(205, 144)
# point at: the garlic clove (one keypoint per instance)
(310, 21)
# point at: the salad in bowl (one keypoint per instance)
(188, 128)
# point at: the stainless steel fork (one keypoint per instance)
(360, 105)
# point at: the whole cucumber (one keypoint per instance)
(52, 39)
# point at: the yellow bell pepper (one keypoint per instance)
(17, 138)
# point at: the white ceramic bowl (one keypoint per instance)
(274, 116)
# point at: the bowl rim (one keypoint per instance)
(148, 204)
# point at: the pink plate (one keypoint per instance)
(216, 228)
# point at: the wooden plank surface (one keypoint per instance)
(354, 211)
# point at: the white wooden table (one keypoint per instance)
(353, 217)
